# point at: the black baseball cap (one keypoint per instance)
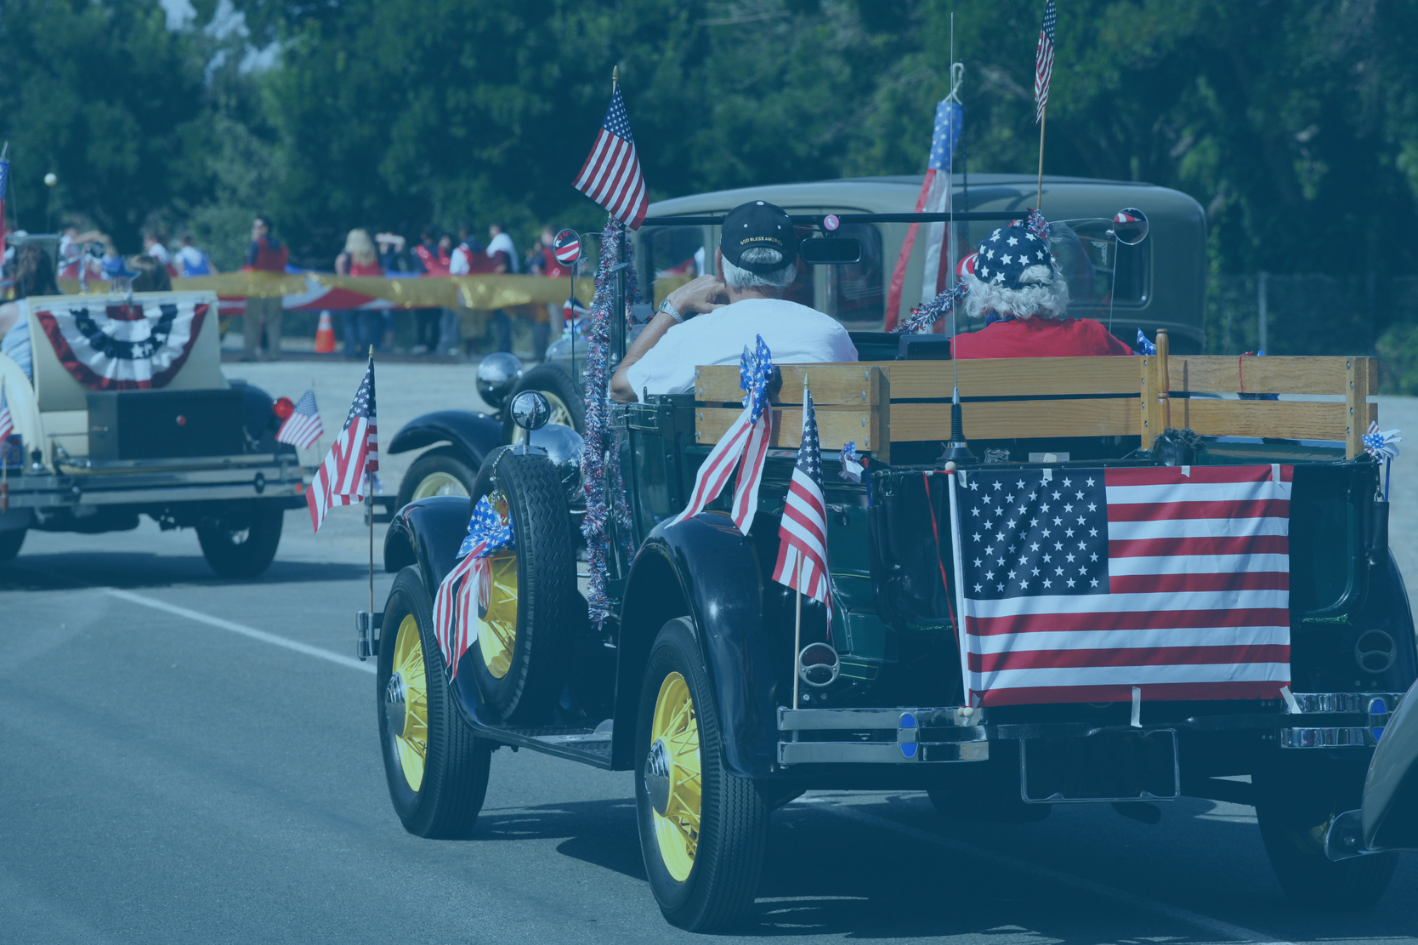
(758, 225)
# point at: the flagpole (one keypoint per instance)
(797, 626)
(1043, 119)
(369, 491)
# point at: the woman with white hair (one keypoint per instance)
(1014, 283)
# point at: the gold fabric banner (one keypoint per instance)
(474, 291)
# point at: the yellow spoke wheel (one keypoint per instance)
(674, 739)
(439, 483)
(497, 614)
(409, 685)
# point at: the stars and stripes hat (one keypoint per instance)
(756, 225)
(1006, 253)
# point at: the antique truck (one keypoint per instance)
(124, 412)
(1270, 641)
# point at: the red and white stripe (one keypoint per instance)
(7, 422)
(744, 439)
(345, 474)
(1198, 604)
(802, 541)
(455, 621)
(611, 177)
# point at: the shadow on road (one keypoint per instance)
(54, 572)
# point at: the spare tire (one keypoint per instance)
(568, 406)
(522, 620)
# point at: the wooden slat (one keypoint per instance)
(832, 384)
(1004, 419)
(1281, 419)
(1013, 377)
(1151, 426)
(1356, 397)
(1218, 374)
(835, 426)
(879, 396)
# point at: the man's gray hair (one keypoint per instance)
(743, 279)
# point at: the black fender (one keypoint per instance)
(477, 434)
(428, 533)
(706, 569)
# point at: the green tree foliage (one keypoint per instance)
(1294, 124)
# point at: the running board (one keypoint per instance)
(591, 746)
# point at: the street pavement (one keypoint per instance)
(187, 759)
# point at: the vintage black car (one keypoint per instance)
(700, 682)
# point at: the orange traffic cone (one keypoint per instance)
(325, 335)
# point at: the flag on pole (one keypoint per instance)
(611, 174)
(1078, 585)
(802, 536)
(353, 460)
(453, 609)
(4, 188)
(746, 438)
(303, 427)
(1044, 61)
(933, 198)
(7, 422)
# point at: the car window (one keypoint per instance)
(855, 294)
(671, 256)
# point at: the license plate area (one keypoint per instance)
(1115, 766)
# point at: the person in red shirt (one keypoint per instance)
(265, 254)
(1013, 282)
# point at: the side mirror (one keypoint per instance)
(830, 251)
(1130, 226)
(531, 410)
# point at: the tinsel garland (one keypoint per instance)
(924, 316)
(600, 461)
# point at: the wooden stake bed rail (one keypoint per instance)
(876, 403)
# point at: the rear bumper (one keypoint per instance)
(162, 482)
(911, 735)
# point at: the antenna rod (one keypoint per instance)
(957, 450)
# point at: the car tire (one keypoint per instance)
(1295, 804)
(242, 544)
(437, 768)
(444, 471)
(524, 624)
(568, 405)
(703, 864)
(10, 542)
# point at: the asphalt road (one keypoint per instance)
(185, 759)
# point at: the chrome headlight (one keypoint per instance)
(497, 374)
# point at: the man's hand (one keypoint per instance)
(700, 295)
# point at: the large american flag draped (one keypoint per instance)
(353, 460)
(1079, 584)
(611, 174)
(802, 536)
(467, 584)
(747, 438)
(303, 427)
(933, 198)
(1044, 61)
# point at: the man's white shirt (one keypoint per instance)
(794, 333)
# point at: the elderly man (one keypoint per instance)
(712, 319)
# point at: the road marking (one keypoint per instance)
(1102, 890)
(1231, 932)
(245, 631)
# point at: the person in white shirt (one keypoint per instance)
(711, 319)
(152, 246)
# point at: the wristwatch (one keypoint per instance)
(669, 309)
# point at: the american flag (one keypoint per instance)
(1044, 60)
(747, 438)
(488, 533)
(7, 422)
(353, 460)
(303, 427)
(802, 536)
(1078, 585)
(4, 186)
(611, 174)
(933, 198)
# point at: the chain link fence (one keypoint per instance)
(1320, 315)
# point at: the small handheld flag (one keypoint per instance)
(1044, 61)
(7, 422)
(611, 174)
(303, 427)
(802, 536)
(353, 460)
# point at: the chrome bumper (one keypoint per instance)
(881, 736)
(160, 481)
(1376, 707)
